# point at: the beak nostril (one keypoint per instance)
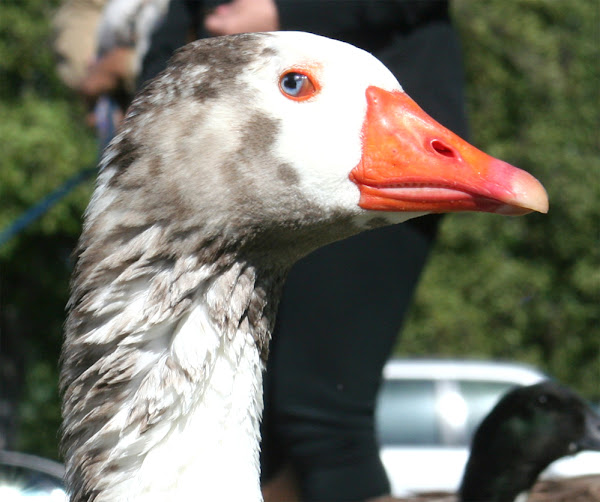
(442, 149)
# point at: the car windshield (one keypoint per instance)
(405, 413)
(480, 398)
(413, 412)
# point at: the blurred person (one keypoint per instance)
(343, 305)
(123, 36)
(100, 45)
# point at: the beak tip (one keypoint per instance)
(528, 194)
(531, 194)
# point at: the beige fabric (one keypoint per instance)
(75, 26)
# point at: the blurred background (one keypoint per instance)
(517, 289)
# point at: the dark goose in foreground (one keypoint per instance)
(527, 430)
(247, 153)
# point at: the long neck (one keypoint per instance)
(208, 447)
(162, 380)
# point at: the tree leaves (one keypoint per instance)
(525, 288)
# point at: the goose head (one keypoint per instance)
(246, 153)
(290, 131)
(527, 430)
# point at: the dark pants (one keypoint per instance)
(339, 317)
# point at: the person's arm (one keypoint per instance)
(334, 19)
(242, 16)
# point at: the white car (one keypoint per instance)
(27, 478)
(427, 411)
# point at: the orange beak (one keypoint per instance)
(412, 163)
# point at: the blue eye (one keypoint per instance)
(296, 85)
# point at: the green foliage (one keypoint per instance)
(24, 36)
(40, 410)
(525, 288)
(43, 142)
(513, 288)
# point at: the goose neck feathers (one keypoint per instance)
(174, 341)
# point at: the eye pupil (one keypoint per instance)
(292, 83)
(296, 85)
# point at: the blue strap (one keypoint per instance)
(105, 122)
(39, 209)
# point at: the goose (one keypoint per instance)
(529, 428)
(246, 153)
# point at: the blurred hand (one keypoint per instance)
(106, 74)
(243, 16)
